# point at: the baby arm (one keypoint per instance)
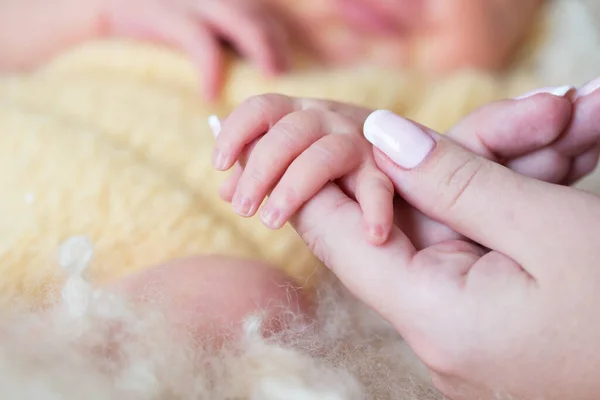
(33, 30)
(291, 148)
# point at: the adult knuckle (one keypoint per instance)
(316, 245)
(460, 182)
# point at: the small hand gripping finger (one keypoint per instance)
(271, 156)
(326, 160)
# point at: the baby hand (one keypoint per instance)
(198, 27)
(193, 26)
(291, 148)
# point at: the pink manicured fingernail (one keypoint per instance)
(402, 141)
(589, 88)
(215, 125)
(559, 91)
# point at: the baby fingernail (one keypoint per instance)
(219, 160)
(402, 141)
(377, 232)
(270, 216)
(559, 91)
(588, 88)
(242, 205)
(215, 125)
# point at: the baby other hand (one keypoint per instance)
(198, 28)
(291, 148)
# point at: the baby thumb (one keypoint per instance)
(474, 196)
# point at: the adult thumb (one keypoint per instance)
(478, 198)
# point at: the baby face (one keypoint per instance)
(432, 35)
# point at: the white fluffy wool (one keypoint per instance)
(95, 345)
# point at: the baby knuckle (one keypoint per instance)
(264, 104)
(381, 180)
(325, 157)
(255, 177)
(289, 133)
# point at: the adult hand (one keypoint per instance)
(504, 303)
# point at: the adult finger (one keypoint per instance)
(512, 128)
(331, 223)
(422, 230)
(478, 198)
(546, 164)
(583, 165)
(584, 129)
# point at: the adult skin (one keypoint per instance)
(498, 295)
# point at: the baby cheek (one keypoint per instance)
(213, 296)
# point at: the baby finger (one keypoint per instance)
(328, 159)
(252, 119)
(272, 155)
(375, 193)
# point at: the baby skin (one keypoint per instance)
(430, 35)
(433, 35)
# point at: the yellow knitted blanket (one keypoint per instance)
(110, 140)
